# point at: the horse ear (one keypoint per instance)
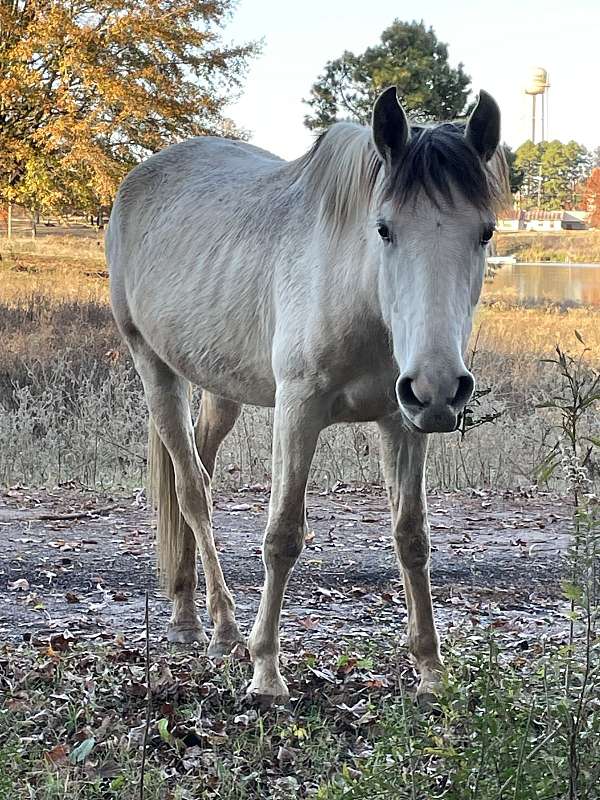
(391, 129)
(483, 127)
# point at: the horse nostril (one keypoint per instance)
(466, 384)
(406, 395)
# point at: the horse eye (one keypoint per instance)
(487, 234)
(384, 232)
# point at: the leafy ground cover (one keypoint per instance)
(73, 720)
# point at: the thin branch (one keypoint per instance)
(91, 512)
(148, 702)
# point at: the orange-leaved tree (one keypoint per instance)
(90, 87)
(591, 197)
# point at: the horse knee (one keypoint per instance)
(283, 545)
(412, 545)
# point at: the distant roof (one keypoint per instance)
(539, 215)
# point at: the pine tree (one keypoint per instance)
(410, 57)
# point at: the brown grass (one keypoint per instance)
(61, 273)
(72, 406)
(88, 243)
(578, 247)
(521, 336)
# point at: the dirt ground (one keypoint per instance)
(75, 561)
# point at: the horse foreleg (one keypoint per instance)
(296, 430)
(404, 454)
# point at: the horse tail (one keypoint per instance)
(170, 524)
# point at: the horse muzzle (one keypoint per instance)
(434, 407)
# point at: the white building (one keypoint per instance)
(543, 221)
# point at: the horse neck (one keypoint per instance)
(351, 271)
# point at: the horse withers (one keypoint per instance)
(339, 287)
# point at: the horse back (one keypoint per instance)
(190, 268)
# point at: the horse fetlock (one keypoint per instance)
(184, 587)
(428, 664)
(185, 625)
(261, 647)
(184, 606)
(413, 550)
(221, 606)
(430, 684)
(424, 648)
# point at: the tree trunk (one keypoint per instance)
(9, 221)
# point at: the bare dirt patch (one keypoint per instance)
(76, 560)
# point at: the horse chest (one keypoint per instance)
(357, 373)
(365, 398)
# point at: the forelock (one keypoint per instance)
(439, 162)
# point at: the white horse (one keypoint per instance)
(337, 288)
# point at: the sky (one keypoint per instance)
(499, 45)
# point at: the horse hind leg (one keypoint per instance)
(181, 486)
(175, 546)
(216, 419)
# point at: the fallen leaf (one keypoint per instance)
(60, 641)
(58, 756)
(81, 752)
(308, 623)
(20, 585)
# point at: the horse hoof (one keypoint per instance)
(264, 700)
(186, 634)
(264, 697)
(427, 700)
(221, 648)
(428, 695)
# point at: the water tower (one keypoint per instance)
(538, 84)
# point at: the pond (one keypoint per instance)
(543, 282)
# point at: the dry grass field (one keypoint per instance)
(575, 246)
(72, 406)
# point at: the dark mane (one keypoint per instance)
(343, 172)
(437, 160)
